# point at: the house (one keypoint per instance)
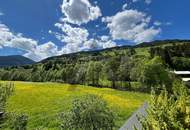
(185, 75)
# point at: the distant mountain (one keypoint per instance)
(15, 60)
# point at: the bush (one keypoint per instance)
(19, 122)
(167, 112)
(89, 113)
(5, 91)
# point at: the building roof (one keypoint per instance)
(182, 72)
(186, 79)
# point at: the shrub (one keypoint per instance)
(5, 91)
(89, 113)
(19, 122)
(167, 112)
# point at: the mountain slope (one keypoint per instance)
(15, 60)
(82, 67)
(101, 53)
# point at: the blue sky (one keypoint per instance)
(42, 28)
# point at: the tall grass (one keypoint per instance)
(43, 101)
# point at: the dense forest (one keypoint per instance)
(119, 67)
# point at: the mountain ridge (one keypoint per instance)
(14, 60)
(141, 45)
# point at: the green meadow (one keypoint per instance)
(42, 102)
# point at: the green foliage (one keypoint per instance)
(43, 101)
(176, 55)
(168, 112)
(19, 122)
(155, 75)
(137, 68)
(115, 67)
(111, 70)
(181, 63)
(5, 91)
(93, 73)
(88, 113)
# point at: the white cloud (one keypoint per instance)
(125, 6)
(130, 25)
(77, 39)
(79, 11)
(107, 44)
(43, 51)
(147, 35)
(8, 38)
(31, 47)
(23, 43)
(146, 1)
(157, 23)
(104, 38)
(5, 34)
(98, 44)
(71, 34)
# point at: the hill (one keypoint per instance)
(117, 67)
(15, 60)
(103, 52)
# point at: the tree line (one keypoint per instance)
(118, 68)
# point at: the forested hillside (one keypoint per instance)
(16, 60)
(119, 67)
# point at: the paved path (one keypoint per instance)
(133, 120)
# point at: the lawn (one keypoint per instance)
(43, 101)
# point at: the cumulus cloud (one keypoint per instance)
(31, 47)
(157, 23)
(125, 6)
(5, 34)
(107, 44)
(73, 37)
(104, 38)
(146, 1)
(43, 51)
(79, 11)
(98, 44)
(147, 35)
(77, 39)
(72, 34)
(23, 43)
(131, 25)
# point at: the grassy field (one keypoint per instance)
(43, 101)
